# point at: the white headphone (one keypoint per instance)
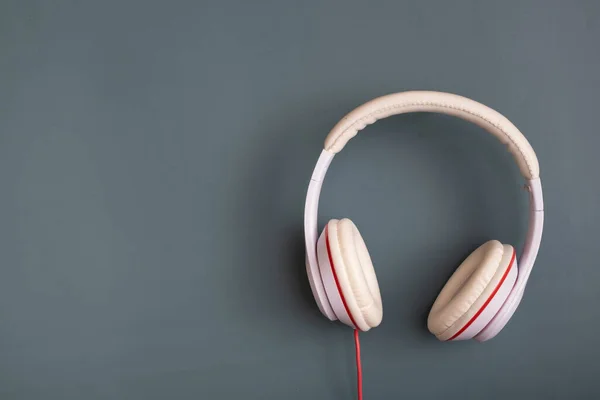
(485, 290)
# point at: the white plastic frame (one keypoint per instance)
(525, 263)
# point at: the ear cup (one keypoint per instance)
(474, 293)
(348, 275)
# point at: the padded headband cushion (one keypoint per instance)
(444, 103)
(355, 273)
(469, 288)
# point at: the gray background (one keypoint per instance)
(154, 158)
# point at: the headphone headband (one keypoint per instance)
(443, 103)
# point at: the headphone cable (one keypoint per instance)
(358, 365)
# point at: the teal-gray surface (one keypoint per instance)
(154, 157)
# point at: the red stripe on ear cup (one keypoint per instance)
(335, 278)
(464, 328)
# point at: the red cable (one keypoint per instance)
(358, 364)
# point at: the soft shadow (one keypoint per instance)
(273, 288)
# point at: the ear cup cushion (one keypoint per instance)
(469, 288)
(355, 273)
